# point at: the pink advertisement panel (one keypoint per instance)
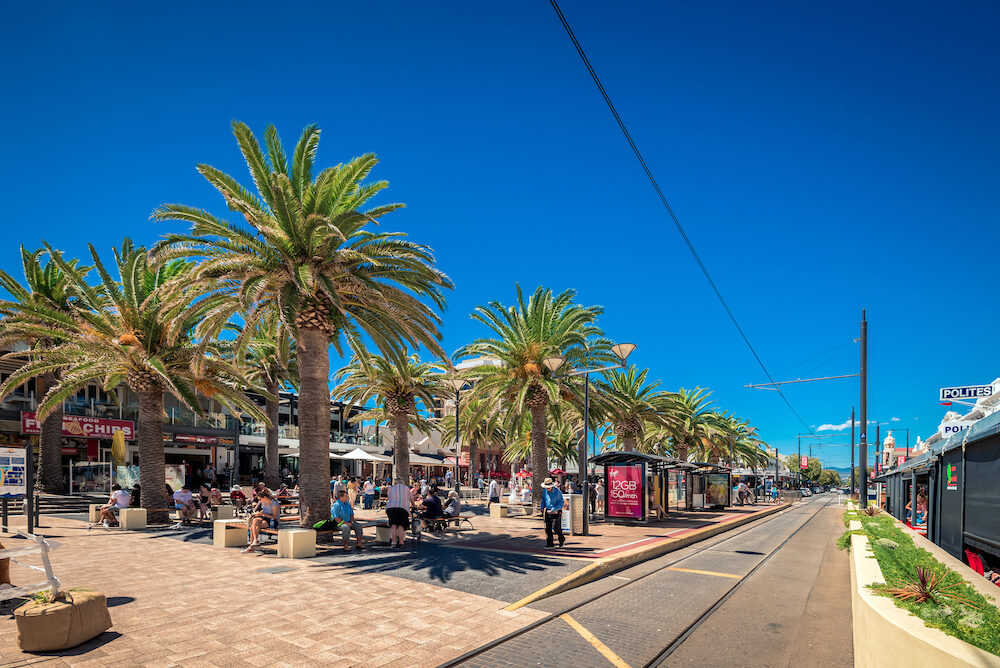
(626, 489)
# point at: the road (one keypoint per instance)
(772, 593)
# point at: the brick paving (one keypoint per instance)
(177, 603)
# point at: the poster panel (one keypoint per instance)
(626, 491)
(13, 472)
(175, 476)
(717, 489)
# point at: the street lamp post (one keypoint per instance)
(622, 350)
(458, 384)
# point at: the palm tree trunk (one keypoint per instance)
(272, 474)
(539, 452)
(629, 444)
(682, 451)
(473, 460)
(312, 347)
(401, 446)
(152, 461)
(50, 475)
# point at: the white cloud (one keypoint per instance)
(834, 427)
(895, 419)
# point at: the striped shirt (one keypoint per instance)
(399, 497)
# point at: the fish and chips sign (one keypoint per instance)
(81, 426)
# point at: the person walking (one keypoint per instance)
(494, 493)
(552, 505)
(369, 494)
(600, 495)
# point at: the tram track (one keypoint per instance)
(563, 615)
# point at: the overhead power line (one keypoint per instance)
(666, 204)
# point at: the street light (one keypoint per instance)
(458, 384)
(622, 351)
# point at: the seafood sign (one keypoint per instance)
(626, 491)
(81, 427)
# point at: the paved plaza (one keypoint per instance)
(177, 600)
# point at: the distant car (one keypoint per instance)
(805, 492)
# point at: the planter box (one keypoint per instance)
(48, 627)
(885, 635)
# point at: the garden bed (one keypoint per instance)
(956, 608)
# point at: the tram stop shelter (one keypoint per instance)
(634, 478)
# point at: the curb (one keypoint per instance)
(606, 566)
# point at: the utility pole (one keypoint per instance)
(852, 450)
(863, 442)
(800, 462)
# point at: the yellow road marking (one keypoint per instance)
(691, 570)
(615, 660)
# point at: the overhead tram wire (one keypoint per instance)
(666, 205)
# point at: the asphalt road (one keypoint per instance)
(768, 594)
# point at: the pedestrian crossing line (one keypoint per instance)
(615, 660)
(692, 570)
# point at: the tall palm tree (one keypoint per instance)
(633, 406)
(124, 331)
(269, 361)
(480, 425)
(524, 335)
(734, 440)
(306, 246)
(562, 440)
(396, 387)
(45, 287)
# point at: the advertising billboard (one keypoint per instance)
(13, 472)
(716, 489)
(626, 491)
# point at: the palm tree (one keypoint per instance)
(306, 247)
(693, 421)
(124, 331)
(734, 440)
(269, 361)
(525, 334)
(562, 440)
(395, 387)
(632, 405)
(480, 425)
(45, 287)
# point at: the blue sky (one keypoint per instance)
(823, 158)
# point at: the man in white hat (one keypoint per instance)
(552, 506)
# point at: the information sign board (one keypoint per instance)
(13, 473)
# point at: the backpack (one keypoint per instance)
(325, 525)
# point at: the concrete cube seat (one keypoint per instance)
(223, 512)
(132, 518)
(229, 536)
(382, 533)
(296, 543)
(497, 511)
(94, 513)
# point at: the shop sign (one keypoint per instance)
(13, 482)
(954, 427)
(80, 426)
(951, 477)
(195, 438)
(226, 441)
(966, 392)
(626, 491)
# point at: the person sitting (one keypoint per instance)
(237, 497)
(431, 507)
(526, 495)
(203, 502)
(184, 503)
(215, 497)
(267, 517)
(119, 499)
(454, 505)
(343, 514)
(136, 495)
(654, 504)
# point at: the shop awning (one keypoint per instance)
(423, 460)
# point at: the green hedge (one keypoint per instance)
(979, 626)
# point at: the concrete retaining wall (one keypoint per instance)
(887, 636)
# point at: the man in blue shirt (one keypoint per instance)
(552, 508)
(343, 514)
